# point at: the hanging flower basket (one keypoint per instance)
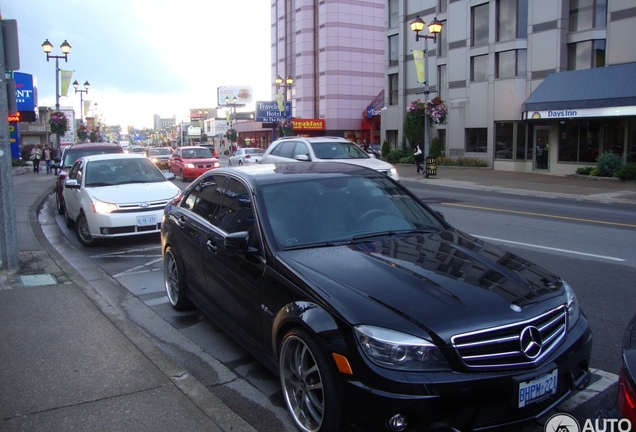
(58, 123)
(231, 134)
(437, 111)
(82, 133)
(285, 128)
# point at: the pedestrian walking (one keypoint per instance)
(419, 157)
(47, 157)
(36, 155)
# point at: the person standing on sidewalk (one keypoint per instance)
(419, 157)
(46, 155)
(36, 155)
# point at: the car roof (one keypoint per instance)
(315, 139)
(92, 145)
(283, 172)
(114, 156)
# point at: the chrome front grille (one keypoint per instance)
(142, 207)
(515, 345)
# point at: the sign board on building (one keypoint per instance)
(69, 137)
(268, 112)
(308, 124)
(197, 114)
(243, 94)
(580, 112)
(25, 96)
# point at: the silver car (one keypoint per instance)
(245, 156)
(325, 149)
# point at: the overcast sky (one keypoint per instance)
(146, 57)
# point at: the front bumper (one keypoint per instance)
(124, 224)
(466, 401)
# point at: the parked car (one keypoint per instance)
(325, 149)
(211, 147)
(136, 149)
(191, 161)
(621, 404)
(62, 164)
(370, 307)
(160, 156)
(245, 155)
(115, 195)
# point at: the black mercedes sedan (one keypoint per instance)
(376, 313)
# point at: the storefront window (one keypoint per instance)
(476, 140)
(579, 141)
(522, 142)
(631, 142)
(504, 140)
(569, 142)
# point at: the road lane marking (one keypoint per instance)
(550, 248)
(541, 215)
(139, 269)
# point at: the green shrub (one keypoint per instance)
(18, 162)
(595, 172)
(436, 148)
(627, 172)
(584, 170)
(461, 161)
(386, 149)
(608, 163)
(394, 156)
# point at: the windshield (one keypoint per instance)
(159, 151)
(253, 151)
(338, 150)
(71, 155)
(342, 209)
(198, 153)
(120, 171)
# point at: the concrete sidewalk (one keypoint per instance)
(70, 360)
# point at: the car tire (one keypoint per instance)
(82, 231)
(174, 281)
(240, 162)
(67, 219)
(182, 176)
(59, 204)
(229, 161)
(309, 384)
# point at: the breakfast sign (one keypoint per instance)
(242, 93)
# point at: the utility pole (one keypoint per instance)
(8, 225)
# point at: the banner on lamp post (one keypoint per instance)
(66, 81)
(280, 102)
(86, 107)
(418, 57)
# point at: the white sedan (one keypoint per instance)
(245, 156)
(113, 195)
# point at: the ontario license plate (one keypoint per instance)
(537, 389)
(146, 220)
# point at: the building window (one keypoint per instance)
(442, 82)
(393, 50)
(476, 140)
(441, 136)
(587, 14)
(393, 13)
(579, 141)
(511, 141)
(512, 19)
(442, 40)
(479, 25)
(393, 89)
(511, 63)
(479, 68)
(441, 7)
(631, 142)
(392, 138)
(586, 54)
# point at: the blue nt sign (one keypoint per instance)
(268, 112)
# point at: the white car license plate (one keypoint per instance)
(146, 220)
(537, 389)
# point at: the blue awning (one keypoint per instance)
(610, 86)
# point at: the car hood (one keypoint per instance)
(200, 161)
(372, 163)
(443, 283)
(135, 192)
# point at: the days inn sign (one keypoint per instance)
(580, 112)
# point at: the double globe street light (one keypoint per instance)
(435, 27)
(47, 47)
(81, 92)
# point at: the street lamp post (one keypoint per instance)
(202, 122)
(232, 104)
(287, 83)
(47, 47)
(434, 28)
(81, 92)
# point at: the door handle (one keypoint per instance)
(212, 247)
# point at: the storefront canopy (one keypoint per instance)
(606, 87)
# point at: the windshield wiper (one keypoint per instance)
(391, 233)
(315, 245)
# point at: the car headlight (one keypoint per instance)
(189, 165)
(102, 207)
(395, 350)
(572, 305)
(393, 172)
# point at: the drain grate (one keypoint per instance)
(37, 280)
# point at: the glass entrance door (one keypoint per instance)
(541, 148)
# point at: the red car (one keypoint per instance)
(62, 164)
(190, 162)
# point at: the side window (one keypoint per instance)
(75, 172)
(206, 197)
(286, 149)
(236, 212)
(301, 149)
